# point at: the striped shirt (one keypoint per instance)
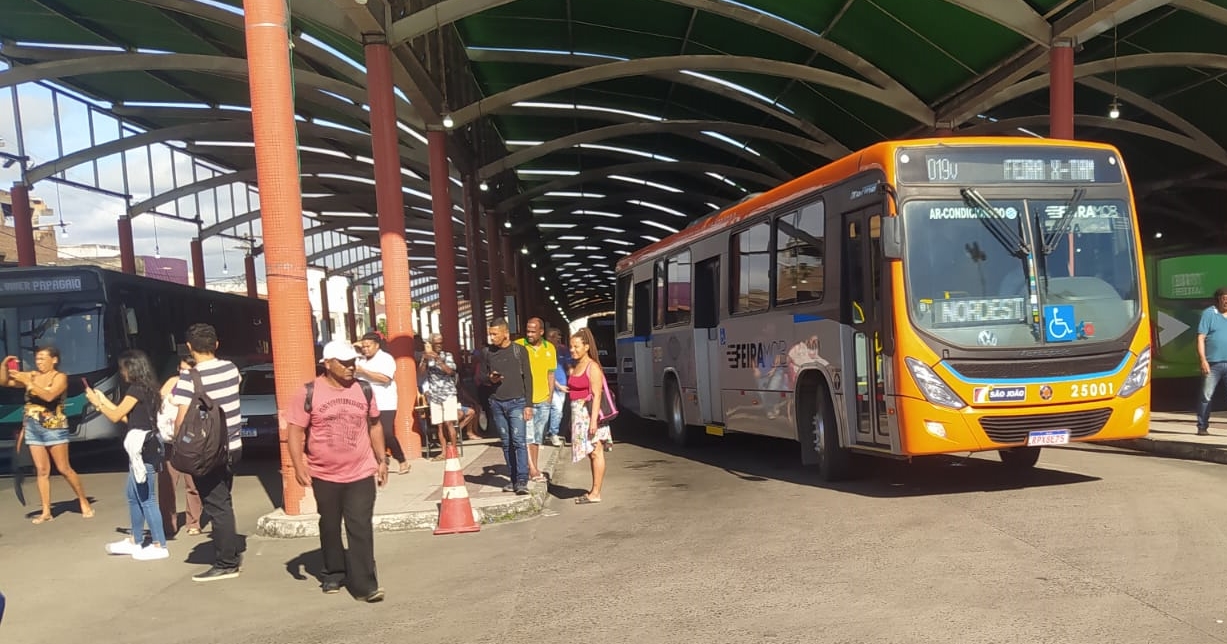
(221, 382)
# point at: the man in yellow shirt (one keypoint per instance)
(543, 360)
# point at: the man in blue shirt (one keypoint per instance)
(1212, 349)
(559, 396)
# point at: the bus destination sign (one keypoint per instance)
(42, 285)
(970, 166)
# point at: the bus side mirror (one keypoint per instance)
(892, 238)
(130, 324)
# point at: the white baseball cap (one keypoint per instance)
(339, 350)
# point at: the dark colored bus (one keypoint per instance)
(92, 315)
(602, 328)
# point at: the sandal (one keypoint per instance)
(44, 518)
(540, 478)
(584, 500)
(193, 532)
(87, 514)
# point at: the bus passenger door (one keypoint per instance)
(862, 310)
(644, 368)
(707, 350)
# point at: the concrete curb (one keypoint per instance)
(277, 524)
(1175, 449)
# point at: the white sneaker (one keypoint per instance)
(151, 553)
(122, 547)
(556, 441)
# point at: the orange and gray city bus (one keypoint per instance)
(916, 297)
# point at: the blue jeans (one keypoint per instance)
(541, 420)
(1209, 382)
(557, 401)
(509, 419)
(143, 507)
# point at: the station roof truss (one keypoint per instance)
(603, 126)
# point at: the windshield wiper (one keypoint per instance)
(1062, 227)
(995, 223)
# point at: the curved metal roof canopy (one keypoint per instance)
(603, 126)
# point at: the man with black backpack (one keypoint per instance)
(214, 413)
(336, 445)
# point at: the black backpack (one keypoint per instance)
(310, 386)
(202, 442)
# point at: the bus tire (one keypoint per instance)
(834, 460)
(1019, 457)
(675, 419)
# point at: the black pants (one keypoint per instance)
(355, 502)
(214, 489)
(388, 420)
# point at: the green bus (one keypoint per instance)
(1181, 284)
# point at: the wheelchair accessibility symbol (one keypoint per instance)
(1059, 325)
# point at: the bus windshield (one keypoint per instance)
(75, 329)
(978, 279)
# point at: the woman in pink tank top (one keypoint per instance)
(584, 383)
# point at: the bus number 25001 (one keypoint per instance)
(1091, 389)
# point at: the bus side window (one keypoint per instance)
(625, 313)
(677, 274)
(660, 301)
(750, 270)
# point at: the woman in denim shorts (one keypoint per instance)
(45, 427)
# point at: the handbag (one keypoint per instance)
(609, 410)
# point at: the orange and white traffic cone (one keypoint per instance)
(455, 511)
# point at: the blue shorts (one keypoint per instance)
(535, 429)
(36, 434)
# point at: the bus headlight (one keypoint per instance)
(936, 391)
(1138, 377)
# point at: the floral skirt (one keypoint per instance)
(581, 444)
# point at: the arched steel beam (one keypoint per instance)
(1211, 152)
(912, 107)
(357, 243)
(220, 65)
(617, 204)
(212, 130)
(241, 176)
(1203, 8)
(1137, 100)
(359, 16)
(693, 128)
(1123, 63)
(696, 168)
(1015, 15)
(449, 11)
(574, 60)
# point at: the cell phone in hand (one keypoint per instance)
(14, 365)
(85, 383)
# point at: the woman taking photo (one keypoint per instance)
(45, 427)
(144, 447)
(584, 390)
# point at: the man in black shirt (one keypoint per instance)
(505, 367)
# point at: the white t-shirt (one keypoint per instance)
(384, 364)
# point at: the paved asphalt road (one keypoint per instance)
(728, 543)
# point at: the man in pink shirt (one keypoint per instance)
(335, 418)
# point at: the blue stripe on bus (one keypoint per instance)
(1040, 381)
(633, 339)
(805, 317)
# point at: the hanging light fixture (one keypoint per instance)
(1114, 106)
(483, 186)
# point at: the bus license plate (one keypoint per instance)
(1049, 437)
(247, 432)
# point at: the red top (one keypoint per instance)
(338, 431)
(578, 387)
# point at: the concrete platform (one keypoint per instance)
(1174, 434)
(411, 501)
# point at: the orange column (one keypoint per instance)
(390, 202)
(249, 268)
(445, 241)
(325, 310)
(494, 263)
(127, 253)
(198, 271)
(285, 255)
(351, 316)
(472, 243)
(1061, 90)
(23, 225)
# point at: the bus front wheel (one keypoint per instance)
(834, 460)
(675, 418)
(1019, 457)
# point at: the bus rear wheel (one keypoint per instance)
(1019, 457)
